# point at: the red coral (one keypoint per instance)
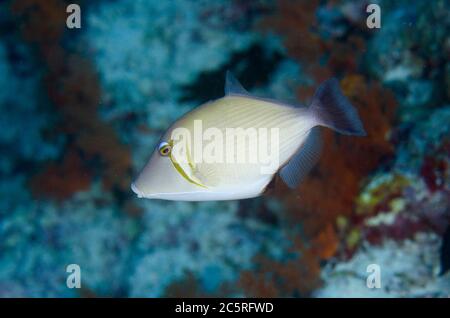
(297, 276)
(433, 171)
(73, 88)
(331, 188)
(428, 215)
(346, 161)
(61, 180)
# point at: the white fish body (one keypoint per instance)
(181, 176)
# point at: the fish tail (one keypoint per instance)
(330, 108)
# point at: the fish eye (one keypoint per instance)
(164, 149)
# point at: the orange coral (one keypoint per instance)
(347, 160)
(188, 286)
(325, 243)
(43, 21)
(298, 276)
(332, 187)
(61, 180)
(73, 88)
(296, 21)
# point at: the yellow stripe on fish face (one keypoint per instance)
(181, 171)
(190, 162)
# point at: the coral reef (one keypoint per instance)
(408, 269)
(124, 247)
(40, 240)
(24, 144)
(325, 209)
(83, 110)
(410, 56)
(169, 251)
(330, 191)
(73, 90)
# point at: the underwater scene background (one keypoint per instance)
(82, 110)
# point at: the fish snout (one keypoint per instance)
(135, 189)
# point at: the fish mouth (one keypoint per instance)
(137, 191)
(171, 196)
(141, 194)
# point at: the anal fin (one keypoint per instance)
(303, 160)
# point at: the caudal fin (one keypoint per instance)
(332, 109)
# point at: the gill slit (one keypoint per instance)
(180, 170)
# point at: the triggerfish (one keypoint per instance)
(232, 147)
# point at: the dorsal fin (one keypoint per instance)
(233, 87)
(303, 160)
